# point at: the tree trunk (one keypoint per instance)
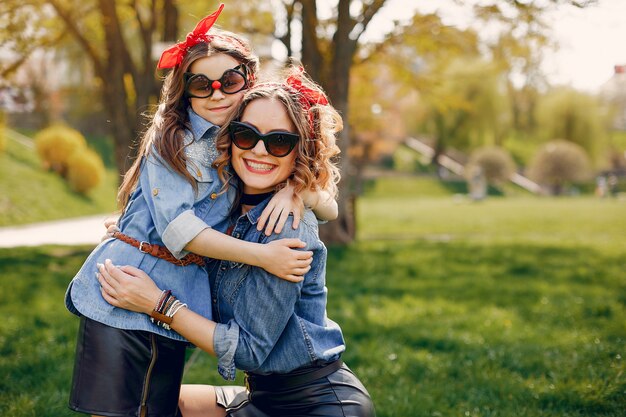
(115, 96)
(342, 230)
(170, 21)
(311, 55)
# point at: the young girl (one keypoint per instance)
(174, 215)
(278, 332)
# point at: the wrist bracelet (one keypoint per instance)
(163, 313)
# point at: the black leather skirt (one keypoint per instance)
(126, 373)
(339, 393)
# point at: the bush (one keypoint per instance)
(56, 144)
(495, 164)
(559, 163)
(85, 170)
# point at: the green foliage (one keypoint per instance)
(85, 170)
(573, 116)
(495, 164)
(468, 105)
(29, 194)
(478, 324)
(55, 146)
(522, 148)
(559, 163)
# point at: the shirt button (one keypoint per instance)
(213, 196)
(214, 300)
(155, 192)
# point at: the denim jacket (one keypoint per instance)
(163, 210)
(269, 325)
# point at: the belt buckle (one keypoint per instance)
(141, 246)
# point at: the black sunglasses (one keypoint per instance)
(278, 144)
(232, 81)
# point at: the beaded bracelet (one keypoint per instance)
(166, 307)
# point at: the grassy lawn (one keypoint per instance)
(509, 307)
(30, 194)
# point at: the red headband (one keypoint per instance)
(307, 96)
(174, 55)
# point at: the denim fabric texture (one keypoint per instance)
(163, 210)
(269, 325)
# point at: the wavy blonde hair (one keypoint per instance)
(315, 163)
(166, 130)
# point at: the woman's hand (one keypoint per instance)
(286, 263)
(278, 209)
(127, 287)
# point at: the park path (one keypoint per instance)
(77, 231)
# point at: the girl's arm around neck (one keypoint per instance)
(322, 203)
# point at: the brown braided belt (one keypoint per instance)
(160, 251)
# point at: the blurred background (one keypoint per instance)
(477, 266)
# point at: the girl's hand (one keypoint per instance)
(127, 287)
(286, 263)
(278, 209)
(111, 225)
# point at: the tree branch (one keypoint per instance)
(369, 12)
(286, 38)
(79, 37)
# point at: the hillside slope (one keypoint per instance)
(29, 194)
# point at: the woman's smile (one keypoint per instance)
(259, 167)
(260, 171)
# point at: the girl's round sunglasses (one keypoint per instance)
(245, 137)
(232, 81)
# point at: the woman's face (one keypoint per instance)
(218, 106)
(259, 171)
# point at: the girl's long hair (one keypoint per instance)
(166, 131)
(315, 164)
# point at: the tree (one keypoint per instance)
(328, 51)
(467, 106)
(116, 37)
(494, 162)
(573, 116)
(559, 163)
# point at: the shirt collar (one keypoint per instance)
(254, 213)
(199, 126)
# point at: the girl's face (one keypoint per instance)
(260, 171)
(218, 106)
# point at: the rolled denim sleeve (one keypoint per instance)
(170, 198)
(225, 341)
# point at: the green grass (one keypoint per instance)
(509, 307)
(30, 194)
(563, 221)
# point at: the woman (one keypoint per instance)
(274, 330)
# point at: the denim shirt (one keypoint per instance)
(165, 210)
(269, 325)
